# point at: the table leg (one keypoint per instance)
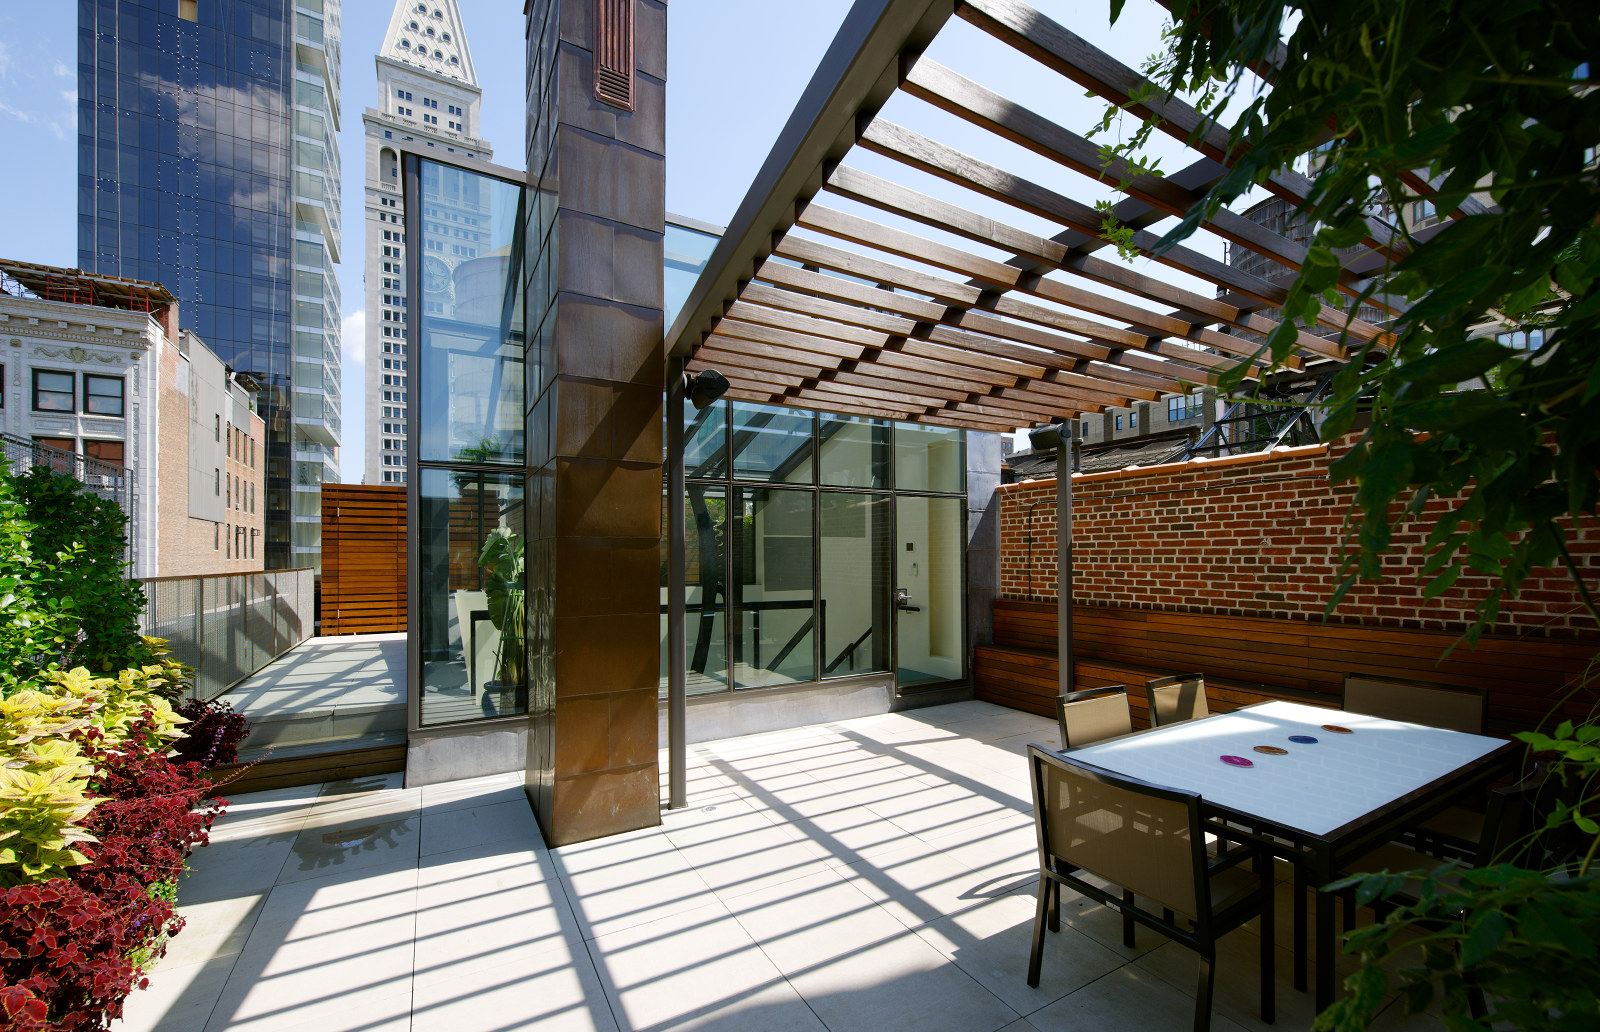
(1300, 940)
(1325, 942)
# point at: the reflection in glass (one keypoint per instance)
(705, 446)
(771, 443)
(771, 594)
(856, 575)
(930, 542)
(853, 451)
(705, 576)
(470, 595)
(469, 325)
(685, 252)
(929, 458)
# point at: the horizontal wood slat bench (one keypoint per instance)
(1253, 659)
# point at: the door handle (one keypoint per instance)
(902, 600)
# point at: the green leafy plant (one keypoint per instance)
(1454, 104)
(505, 588)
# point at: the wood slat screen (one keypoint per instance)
(363, 559)
(1249, 659)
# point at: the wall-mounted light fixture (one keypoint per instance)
(704, 388)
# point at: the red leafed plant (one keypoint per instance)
(214, 732)
(72, 948)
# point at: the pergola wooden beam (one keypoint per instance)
(917, 151)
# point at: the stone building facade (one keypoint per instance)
(96, 368)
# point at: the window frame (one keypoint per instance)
(71, 392)
(121, 396)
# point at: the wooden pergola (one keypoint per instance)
(807, 305)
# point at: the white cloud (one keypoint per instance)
(353, 417)
(17, 113)
(61, 69)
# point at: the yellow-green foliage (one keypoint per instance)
(44, 774)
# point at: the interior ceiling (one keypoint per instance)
(807, 304)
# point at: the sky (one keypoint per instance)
(735, 71)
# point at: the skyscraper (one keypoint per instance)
(208, 161)
(428, 96)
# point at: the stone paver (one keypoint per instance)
(866, 875)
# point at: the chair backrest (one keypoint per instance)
(1093, 715)
(1145, 838)
(1175, 699)
(1417, 702)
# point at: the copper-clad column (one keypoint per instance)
(596, 118)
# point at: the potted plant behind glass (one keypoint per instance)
(502, 562)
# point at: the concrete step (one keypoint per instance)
(335, 723)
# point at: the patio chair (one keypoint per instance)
(1417, 702)
(1149, 842)
(1175, 699)
(1093, 715)
(1455, 830)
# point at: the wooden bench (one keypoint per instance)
(1252, 659)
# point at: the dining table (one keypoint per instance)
(1323, 787)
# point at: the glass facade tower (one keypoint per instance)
(208, 162)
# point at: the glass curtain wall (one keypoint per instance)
(469, 610)
(790, 546)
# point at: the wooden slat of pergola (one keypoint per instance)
(1040, 252)
(1026, 338)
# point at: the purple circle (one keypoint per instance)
(1237, 761)
(1303, 739)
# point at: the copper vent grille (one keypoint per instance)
(613, 55)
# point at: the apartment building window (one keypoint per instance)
(61, 449)
(1119, 422)
(217, 429)
(1133, 418)
(103, 396)
(216, 481)
(54, 392)
(109, 452)
(1422, 211)
(2, 385)
(1522, 340)
(1183, 407)
(216, 537)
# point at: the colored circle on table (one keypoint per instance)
(1336, 729)
(1303, 739)
(1271, 750)
(1237, 761)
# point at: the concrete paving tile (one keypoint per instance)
(512, 990)
(628, 880)
(507, 823)
(325, 951)
(697, 970)
(363, 842)
(471, 906)
(812, 919)
(213, 929)
(900, 983)
(738, 852)
(919, 885)
(991, 942)
(454, 795)
(1128, 998)
(1238, 988)
(179, 998)
(943, 809)
(223, 870)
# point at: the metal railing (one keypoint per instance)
(103, 479)
(229, 625)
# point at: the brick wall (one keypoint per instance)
(1256, 535)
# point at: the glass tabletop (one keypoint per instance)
(1324, 781)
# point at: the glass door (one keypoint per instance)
(930, 538)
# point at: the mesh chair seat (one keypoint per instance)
(1417, 702)
(1150, 842)
(1175, 699)
(1093, 715)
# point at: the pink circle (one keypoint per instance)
(1237, 761)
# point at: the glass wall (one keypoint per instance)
(792, 539)
(685, 251)
(469, 608)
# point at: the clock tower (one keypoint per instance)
(428, 97)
